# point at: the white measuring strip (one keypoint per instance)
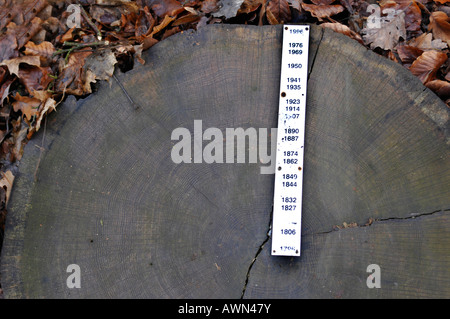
(287, 206)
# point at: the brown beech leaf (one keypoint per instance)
(24, 32)
(425, 42)
(169, 32)
(35, 78)
(7, 13)
(27, 105)
(6, 183)
(427, 64)
(4, 89)
(13, 64)
(413, 14)
(3, 73)
(440, 26)
(105, 15)
(17, 140)
(442, 1)
(41, 95)
(185, 19)
(441, 88)
(278, 12)
(164, 8)
(71, 78)
(141, 26)
(323, 11)
(67, 36)
(43, 50)
(8, 46)
(208, 6)
(408, 54)
(126, 6)
(322, 2)
(128, 23)
(341, 28)
(164, 23)
(135, 50)
(150, 19)
(49, 106)
(28, 9)
(148, 42)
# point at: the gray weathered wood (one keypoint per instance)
(109, 198)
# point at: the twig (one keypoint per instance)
(41, 149)
(89, 21)
(133, 104)
(76, 46)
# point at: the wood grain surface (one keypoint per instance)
(98, 187)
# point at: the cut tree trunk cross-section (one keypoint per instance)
(108, 197)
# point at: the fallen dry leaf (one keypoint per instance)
(4, 89)
(104, 15)
(322, 2)
(27, 105)
(387, 36)
(7, 13)
(13, 64)
(440, 26)
(26, 10)
(425, 42)
(323, 11)
(124, 4)
(229, 8)
(296, 4)
(341, 28)
(413, 14)
(43, 50)
(148, 42)
(185, 19)
(278, 11)
(41, 95)
(101, 64)
(141, 27)
(408, 54)
(34, 77)
(6, 182)
(166, 21)
(427, 64)
(18, 139)
(441, 88)
(8, 46)
(49, 106)
(209, 6)
(24, 32)
(68, 36)
(71, 78)
(167, 8)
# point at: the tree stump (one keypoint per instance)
(98, 188)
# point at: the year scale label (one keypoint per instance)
(287, 206)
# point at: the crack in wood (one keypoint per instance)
(315, 54)
(260, 248)
(371, 221)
